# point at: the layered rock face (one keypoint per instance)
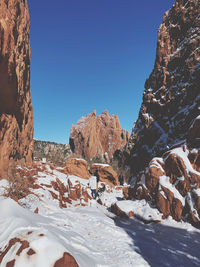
(53, 152)
(97, 136)
(172, 182)
(16, 115)
(171, 99)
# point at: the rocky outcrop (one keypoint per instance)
(16, 115)
(53, 152)
(171, 98)
(80, 168)
(77, 167)
(106, 173)
(97, 136)
(172, 182)
(121, 213)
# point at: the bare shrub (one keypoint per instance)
(18, 186)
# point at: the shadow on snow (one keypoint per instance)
(162, 245)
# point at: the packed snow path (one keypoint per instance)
(94, 239)
(91, 234)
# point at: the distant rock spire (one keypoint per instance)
(97, 136)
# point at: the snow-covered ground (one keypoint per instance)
(91, 234)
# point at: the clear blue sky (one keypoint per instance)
(90, 55)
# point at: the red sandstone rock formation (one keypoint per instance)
(171, 97)
(77, 167)
(106, 173)
(97, 136)
(80, 168)
(172, 182)
(16, 116)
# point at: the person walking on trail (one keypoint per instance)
(121, 179)
(98, 179)
(97, 175)
(93, 186)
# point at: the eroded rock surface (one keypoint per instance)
(77, 167)
(97, 136)
(172, 182)
(16, 116)
(106, 173)
(80, 168)
(171, 98)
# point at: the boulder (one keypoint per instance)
(106, 173)
(77, 167)
(16, 112)
(119, 212)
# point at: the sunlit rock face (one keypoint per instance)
(171, 98)
(16, 115)
(97, 136)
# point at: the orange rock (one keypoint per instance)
(77, 167)
(97, 136)
(36, 210)
(131, 214)
(16, 113)
(106, 173)
(116, 210)
(66, 260)
(183, 183)
(12, 242)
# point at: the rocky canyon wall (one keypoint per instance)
(16, 114)
(171, 99)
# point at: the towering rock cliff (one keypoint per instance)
(16, 116)
(97, 136)
(168, 125)
(171, 100)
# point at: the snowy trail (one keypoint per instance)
(90, 234)
(99, 237)
(94, 239)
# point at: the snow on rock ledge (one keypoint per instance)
(139, 209)
(171, 97)
(172, 182)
